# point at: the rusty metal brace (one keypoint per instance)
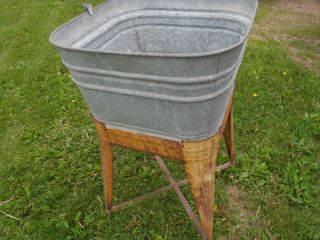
(175, 185)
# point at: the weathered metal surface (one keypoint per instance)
(159, 67)
(199, 158)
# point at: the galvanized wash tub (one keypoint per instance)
(161, 67)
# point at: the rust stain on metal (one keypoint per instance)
(199, 161)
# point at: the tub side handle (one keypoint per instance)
(87, 7)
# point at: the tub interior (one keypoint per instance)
(167, 32)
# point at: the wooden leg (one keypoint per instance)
(106, 158)
(229, 137)
(199, 163)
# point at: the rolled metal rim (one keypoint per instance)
(163, 55)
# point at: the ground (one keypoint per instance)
(50, 173)
(296, 25)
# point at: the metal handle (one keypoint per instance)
(87, 7)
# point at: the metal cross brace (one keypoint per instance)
(175, 185)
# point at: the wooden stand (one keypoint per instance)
(198, 158)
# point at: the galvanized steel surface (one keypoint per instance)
(164, 68)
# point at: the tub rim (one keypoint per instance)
(137, 54)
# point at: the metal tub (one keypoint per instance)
(160, 67)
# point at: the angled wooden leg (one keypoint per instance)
(229, 137)
(106, 158)
(199, 160)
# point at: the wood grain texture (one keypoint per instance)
(229, 137)
(199, 160)
(107, 160)
(144, 143)
(198, 157)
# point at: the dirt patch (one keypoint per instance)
(296, 25)
(306, 6)
(237, 202)
(293, 50)
(237, 207)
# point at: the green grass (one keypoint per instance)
(306, 32)
(50, 164)
(264, 10)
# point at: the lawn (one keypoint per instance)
(50, 173)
